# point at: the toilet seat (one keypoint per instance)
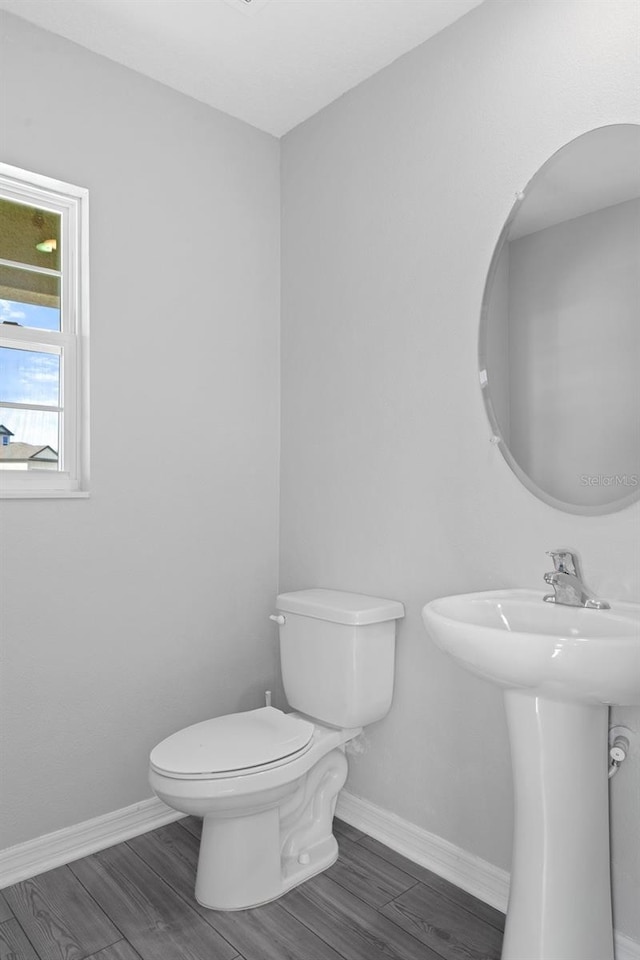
(234, 745)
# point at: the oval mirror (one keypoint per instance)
(560, 327)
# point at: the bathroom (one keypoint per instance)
(317, 375)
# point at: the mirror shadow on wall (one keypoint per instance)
(560, 327)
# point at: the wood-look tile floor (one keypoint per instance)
(135, 901)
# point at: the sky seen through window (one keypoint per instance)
(28, 376)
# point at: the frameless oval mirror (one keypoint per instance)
(560, 327)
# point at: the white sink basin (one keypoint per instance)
(566, 653)
(559, 668)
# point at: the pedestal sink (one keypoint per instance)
(561, 667)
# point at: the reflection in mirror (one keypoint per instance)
(560, 328)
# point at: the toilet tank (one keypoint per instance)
(337, 654)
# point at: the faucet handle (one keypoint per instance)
(565, 561)
(568, 584)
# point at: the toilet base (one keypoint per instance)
(246, 861)
(318, 865)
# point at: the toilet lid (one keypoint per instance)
(232, 743)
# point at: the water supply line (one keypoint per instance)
(618, 749)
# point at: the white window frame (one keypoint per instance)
(71, 342)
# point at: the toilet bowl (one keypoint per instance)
(266, 827)
(266, 782)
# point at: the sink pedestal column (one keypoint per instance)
(560, 896)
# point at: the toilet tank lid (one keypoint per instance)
(338, 607)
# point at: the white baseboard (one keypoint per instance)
(476, 876)
(54, 849)
(473, 874)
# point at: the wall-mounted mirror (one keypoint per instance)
(560, 327)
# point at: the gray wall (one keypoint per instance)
(393, 199)
(143, 609)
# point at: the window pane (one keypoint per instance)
(28, 440)
(29, 376)
(29, 315)
(27, 290)
(29, 235)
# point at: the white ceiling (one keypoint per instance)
(273, 64)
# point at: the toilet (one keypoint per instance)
(266, 782)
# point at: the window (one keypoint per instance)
(44, 305)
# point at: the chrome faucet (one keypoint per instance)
(567, 583)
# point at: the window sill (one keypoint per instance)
(44, 494)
